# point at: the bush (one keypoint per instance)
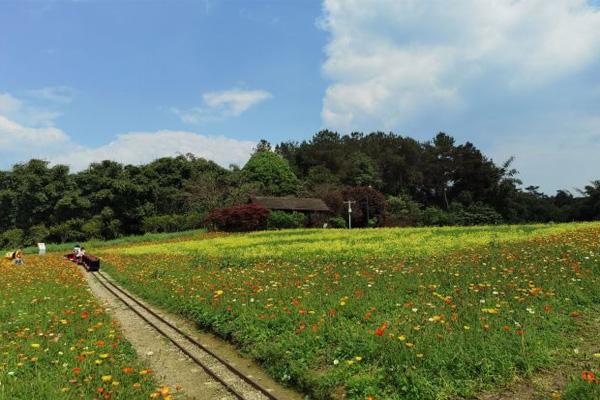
(433, 216)
(476, 214)
(12, 238)
(337, 222)
(285, 220)
(93, 228)
(172, 222)
(162, 223)
(38, 233)
(242, 218)
(68, 231)
(403, 211)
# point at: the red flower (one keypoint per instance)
(588, 376)
(381, 330)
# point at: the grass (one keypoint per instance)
(425, 313)
(97, 243)
(56, 342)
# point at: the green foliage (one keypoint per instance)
(476, 214)
(272, 172)
(424, 182)
(403, 211)
(286, 220)
(13, 238)
(337, 222)
(68, 231)
(38, 233)
(172, 222)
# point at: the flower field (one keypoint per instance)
(56, 342)
(390, 313)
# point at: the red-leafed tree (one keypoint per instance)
(243, 218)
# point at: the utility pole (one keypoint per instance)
(349, 202)
(368, 194)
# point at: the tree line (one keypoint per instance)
(395, 180)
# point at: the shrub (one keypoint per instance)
(437, 217)
(162, 223)
(93, 228)
(242, 218)
(68, 231)
(403, 211)
(285, 220)
(477, 214)
(172, 222)
(12, 238)
(337, 222)
(38, 233)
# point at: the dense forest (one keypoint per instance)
(401, 180)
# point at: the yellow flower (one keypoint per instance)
(105, 355)
(358, 358)
(597, 355)
(106, 378)
(402, 338)
(489, 310)
(219, 293)
(35, 345)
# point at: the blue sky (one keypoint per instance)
(135, 80)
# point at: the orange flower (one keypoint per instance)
(381, 330)
(127, 370)
(588, 376)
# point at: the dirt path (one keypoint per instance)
(171, 366)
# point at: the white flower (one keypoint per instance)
(336, 361)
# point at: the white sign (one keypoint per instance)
(41, 248)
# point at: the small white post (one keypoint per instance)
(349, 202)
(41, 248)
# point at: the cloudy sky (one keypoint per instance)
(134, 80)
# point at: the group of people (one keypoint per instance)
(78, 252)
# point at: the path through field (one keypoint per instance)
(172, 367)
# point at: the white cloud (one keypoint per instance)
(56, 94)
(142, 147)
(26, 114)
(221, 104)
(20, 142)
(394, 61)
(9, 104)
(15, 137)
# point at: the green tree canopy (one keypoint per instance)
(272, 172)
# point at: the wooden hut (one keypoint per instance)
(315, 209)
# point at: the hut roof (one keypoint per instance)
(290, 203)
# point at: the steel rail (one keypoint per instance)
(207, 369)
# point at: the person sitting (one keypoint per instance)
(18, 257)
(80, 254)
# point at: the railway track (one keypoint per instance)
(234, 381)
